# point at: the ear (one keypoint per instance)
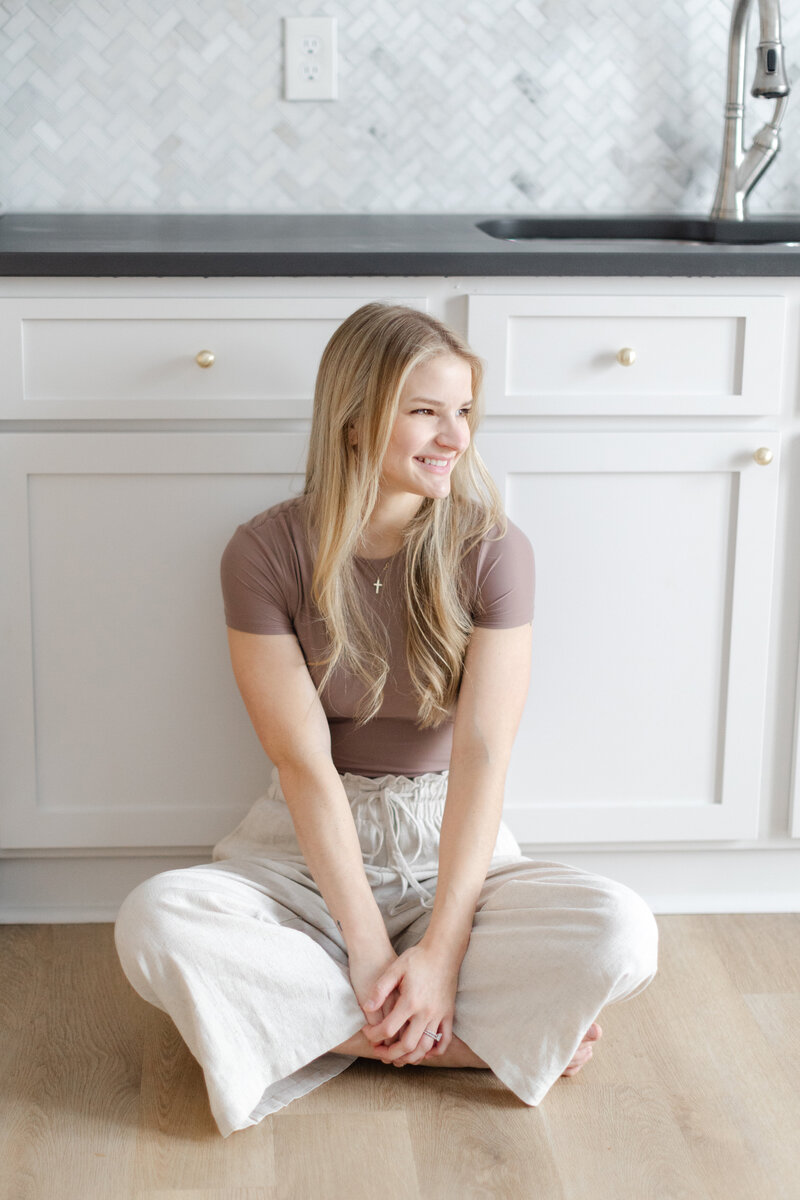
(352, 435)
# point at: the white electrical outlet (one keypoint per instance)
(309, 58)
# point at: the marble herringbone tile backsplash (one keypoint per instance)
(450, 105)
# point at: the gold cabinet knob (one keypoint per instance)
(626, 357)
(763, 456)
(205, 359)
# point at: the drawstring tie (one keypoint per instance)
(388, 804)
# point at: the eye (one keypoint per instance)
(414, 411)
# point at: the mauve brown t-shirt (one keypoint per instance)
(266, 573)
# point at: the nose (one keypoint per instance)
(453, 433)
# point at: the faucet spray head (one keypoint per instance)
(770, 78)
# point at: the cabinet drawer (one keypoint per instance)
(138, 358)
(692, 355)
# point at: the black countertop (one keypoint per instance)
(193, 244)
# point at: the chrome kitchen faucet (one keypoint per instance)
(740, 170)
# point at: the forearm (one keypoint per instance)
(472, 815)
(327, 837)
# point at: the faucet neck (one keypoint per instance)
(739, 171)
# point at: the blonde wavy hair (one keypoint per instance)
(361, 376)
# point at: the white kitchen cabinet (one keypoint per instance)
(645, 716)
(638, 355)
(122, 721)
(665, 557)
(143, 357)
(654, 559)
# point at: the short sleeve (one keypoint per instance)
(254, 578)
(506, 581)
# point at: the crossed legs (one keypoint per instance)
(225, 950)
(566, 943)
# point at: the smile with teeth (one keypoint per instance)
(435, 464)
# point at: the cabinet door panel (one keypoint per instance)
(129, 357)
(654, 570)
(693, 354)
(124, 723)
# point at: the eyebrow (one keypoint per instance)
(436, 403)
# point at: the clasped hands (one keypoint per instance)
(415, 991)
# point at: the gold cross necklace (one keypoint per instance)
(377, 584)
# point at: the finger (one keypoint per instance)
(421, 1052)
(370, 1031)
(388, 1028)
(376, 1031)
(445, 1028)
(416, 1054)
(435, 1049)
(376, 1018)
(407, 1044)
(387, 1008)
(380, 990)
(415, 1057)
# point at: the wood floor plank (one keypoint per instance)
(75, 1080)
(611, 1127)
(23, 1000)
(178, 1144)
(756, 948)
(472, 1137)
(778, 1018)
(716, 1070)
(366, 1086)
(692, 1093)
(619, 1139)
(348, 1155)
(230, 1193)
(466, 1126)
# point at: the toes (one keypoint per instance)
(580, 1060)
(584, 1051)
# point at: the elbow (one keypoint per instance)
(294, 763)
(480, 753)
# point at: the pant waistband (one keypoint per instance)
(388, 799)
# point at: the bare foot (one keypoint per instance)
(584, 1051)
(457, 1054)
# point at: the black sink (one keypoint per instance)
(778, 228)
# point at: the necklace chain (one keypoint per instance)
(379, 582)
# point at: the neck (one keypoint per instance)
(384, 533)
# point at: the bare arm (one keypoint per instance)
(288, 717)
(490, 704)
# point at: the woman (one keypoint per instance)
(373, 903)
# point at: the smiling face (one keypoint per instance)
(431, 430)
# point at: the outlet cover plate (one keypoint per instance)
(309, 58)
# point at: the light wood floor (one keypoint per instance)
(693, 1093)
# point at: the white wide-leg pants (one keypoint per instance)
(244, 956)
